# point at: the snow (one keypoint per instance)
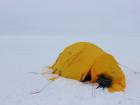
(21, 55)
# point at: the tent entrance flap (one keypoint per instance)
(87, 77)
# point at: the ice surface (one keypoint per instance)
(20, 55)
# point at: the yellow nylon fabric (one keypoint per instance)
(79, 58)
(107, 65)
(76, 60)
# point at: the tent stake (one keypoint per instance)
(43, 88)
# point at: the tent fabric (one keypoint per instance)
(83, 58)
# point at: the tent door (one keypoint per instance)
(88, 76)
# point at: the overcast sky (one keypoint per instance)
(69, 17)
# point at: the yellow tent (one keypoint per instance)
(85, 61)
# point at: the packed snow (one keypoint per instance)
(23, 58)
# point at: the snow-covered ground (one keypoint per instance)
(20, 55)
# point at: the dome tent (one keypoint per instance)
(85, 61)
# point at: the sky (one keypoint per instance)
(70, 17)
